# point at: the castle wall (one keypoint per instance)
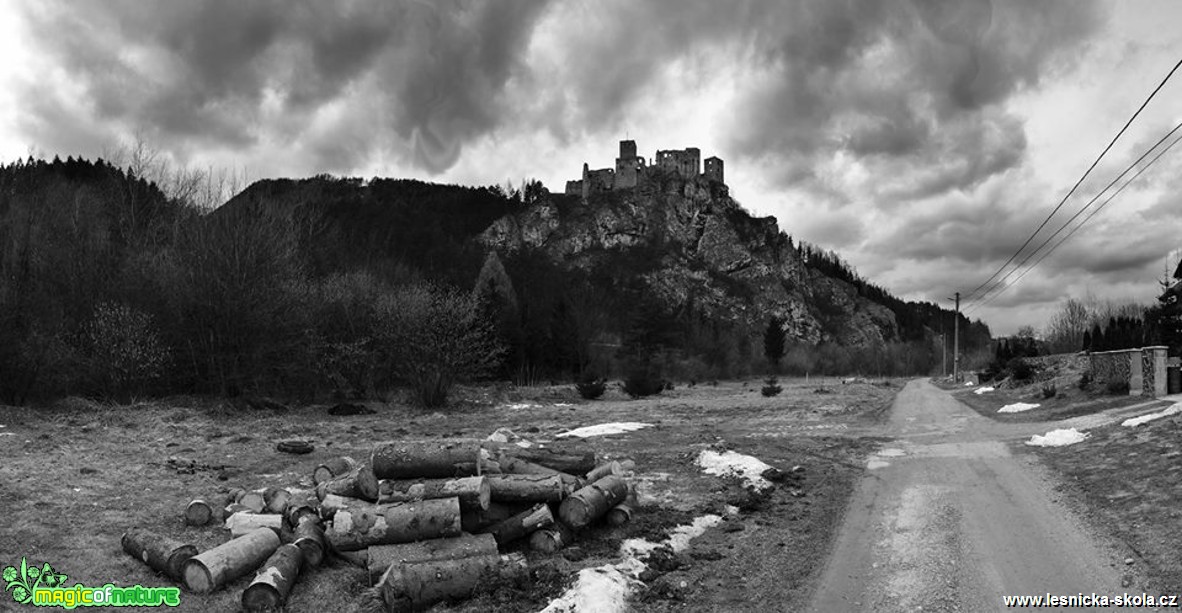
(574, 188)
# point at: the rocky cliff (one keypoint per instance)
(703, 248)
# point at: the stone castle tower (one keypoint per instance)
(631, 170)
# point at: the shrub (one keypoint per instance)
(1085, 381)
(643, 380)
(591, 387)
(1020, 369)
(771, 387)
(1049, 391)
(123, 349)
(1117, 387)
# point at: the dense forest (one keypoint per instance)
(110, 288)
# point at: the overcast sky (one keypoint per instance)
(923, 140)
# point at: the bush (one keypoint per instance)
(1020, 369)
(643, 380)
(771, 387)
(1049, 391)
(591, 387)
(123, 350)
(1117, 387)
(1085, 381)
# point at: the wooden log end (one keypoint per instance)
(176, 562)
(261, 597)
(196, 577)
(619, 515)
(198, 513)
(253, 501)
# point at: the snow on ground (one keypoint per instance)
(969, 384)
(1018, 407)
(523, 405)
(982, 390)
(605, 589)
(604, 429)
(1057, 438)
(748, 468)
(1137, 421)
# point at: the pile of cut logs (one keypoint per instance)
(429, 521)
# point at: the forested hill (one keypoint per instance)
(110, 287)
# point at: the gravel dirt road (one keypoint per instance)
(946, 519)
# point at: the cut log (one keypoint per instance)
(159, 552)
(309, 537)
(357, 483)
(380, 557)
(361, 525)
(303, 504)
(359, 558)
(254, 500)
(551, 538)
(271, 585)
(522, 524)
(570, 458)
(619, 514)
(244, 522)
(512, 466)
(426, 460)
(213, 569)
(332, 468)
(276, 499)
(477, 520)
(593, 501)
(603, 470)
(473, 492)
(413, 586)
(199, 513)
(527, 488)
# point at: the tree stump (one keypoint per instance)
(271, 585)
(159, 552)
(212, 569)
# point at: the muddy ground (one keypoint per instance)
(74, 476)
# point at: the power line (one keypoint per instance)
(1081, 224)
(1001, 282)
(973, 293)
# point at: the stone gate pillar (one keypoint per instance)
(1136, 370)
(1153, 371)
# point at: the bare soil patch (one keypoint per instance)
(73, 477)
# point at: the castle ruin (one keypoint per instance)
(631, 170)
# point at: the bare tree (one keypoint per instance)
(1066, 329)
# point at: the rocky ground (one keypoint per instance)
(74, 476)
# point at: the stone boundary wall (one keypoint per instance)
(1144, 369)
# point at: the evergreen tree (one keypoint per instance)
(773, 343)
(1087, 341)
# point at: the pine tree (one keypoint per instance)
(1087, 341)
(773, 343)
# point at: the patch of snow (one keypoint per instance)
(1137, 421)
(891, 453)
(523, 405)
(968, 383)
(605, 589)
(605, 429)
(875, 464)
(563, 404)
(1057, 438)
(1018, 407)
(748, 468)
(983, 390)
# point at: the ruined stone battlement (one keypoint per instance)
(631, 170)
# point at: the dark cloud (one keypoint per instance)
(206, 70)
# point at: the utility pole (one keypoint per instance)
(956, 342)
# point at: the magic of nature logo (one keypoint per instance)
(42, 586)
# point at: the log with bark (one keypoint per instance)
(273, 582)
(603, 470)
(359, 525)
(527, 488)
(276, 499)
(380, 557)
(551, 538)
(159, 552)
(477, 520)
(522, 524)
(245, 522)
(359, 558)
(357, 483)
(333, 468)
(309, 537)
(619, 514)
(208, 571)
(473, 492)
(512, 466)
(413, 586)
(570, 458)
(593, 501)
(199, 512)
(303, 504)
(426, 460)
